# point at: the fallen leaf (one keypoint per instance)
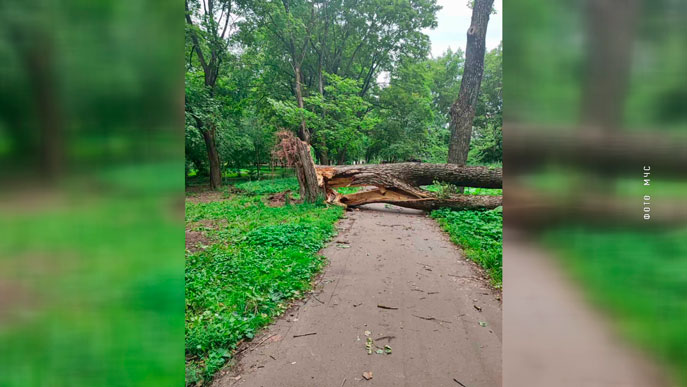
(379, 352)
(387, 349)
(367, 333)
(482, 324)
(367, 375)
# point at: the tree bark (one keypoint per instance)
(463, 109)
(597, 151)
(213, 157)
(399, 184)
(415, 174)
(611, 30)
(431, 202)
(310, 189)
(303, 132)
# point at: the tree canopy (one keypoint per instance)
(356, 82)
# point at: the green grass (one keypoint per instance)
(98, 284)
(263, 258)
(639, 278)
(441, 188)
(479, 233)
(347, 190)
(260, 187)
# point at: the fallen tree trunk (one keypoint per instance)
(431, 202)
(399, 184)
(617, 153)
(416, 174)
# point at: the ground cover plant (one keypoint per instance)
(90, 290)
(479, 233)
(257, 259)
(638, 278)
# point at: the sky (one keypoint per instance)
(454, 21)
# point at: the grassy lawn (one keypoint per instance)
(258, 259)
(479, 234)
(639, 278)
(92, 285)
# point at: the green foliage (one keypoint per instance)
(351, 111)
(347, 190)
(269, 186)
(444, 190)
(267, 256)
(639, 278)
(479, 233)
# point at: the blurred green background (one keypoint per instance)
(91, 205)
(606, 79)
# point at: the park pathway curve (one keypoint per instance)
(396, 275)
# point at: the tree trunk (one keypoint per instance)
(431, 202)
(213, 157)
(310, 189)
(611, 30)
(415, 174)
(463, 109)
(399, 184)
(303, 132)
(594, 150)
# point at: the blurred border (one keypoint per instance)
(91, 206)
(595, 251)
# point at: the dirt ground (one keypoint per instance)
(395, 276)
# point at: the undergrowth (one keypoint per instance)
(479, 233)
(265, 257)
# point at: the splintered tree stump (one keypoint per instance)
(296, 153)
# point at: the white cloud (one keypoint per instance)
(454, 21)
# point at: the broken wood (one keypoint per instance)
(296, 153)
(305, 334)
(399, 184)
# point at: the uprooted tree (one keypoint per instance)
(398, 184)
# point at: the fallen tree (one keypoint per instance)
(398, 184)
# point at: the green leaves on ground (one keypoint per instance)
(479, 233)
(266, 256)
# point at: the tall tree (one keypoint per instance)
(208, 36)
(463, 110)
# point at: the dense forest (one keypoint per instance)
(357, 82)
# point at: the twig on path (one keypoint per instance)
(256, 345)
(386, 307)
(317, 299)
(344, 382)
(456, 380)
(431, 318)
(386, 338)
(306, 334)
